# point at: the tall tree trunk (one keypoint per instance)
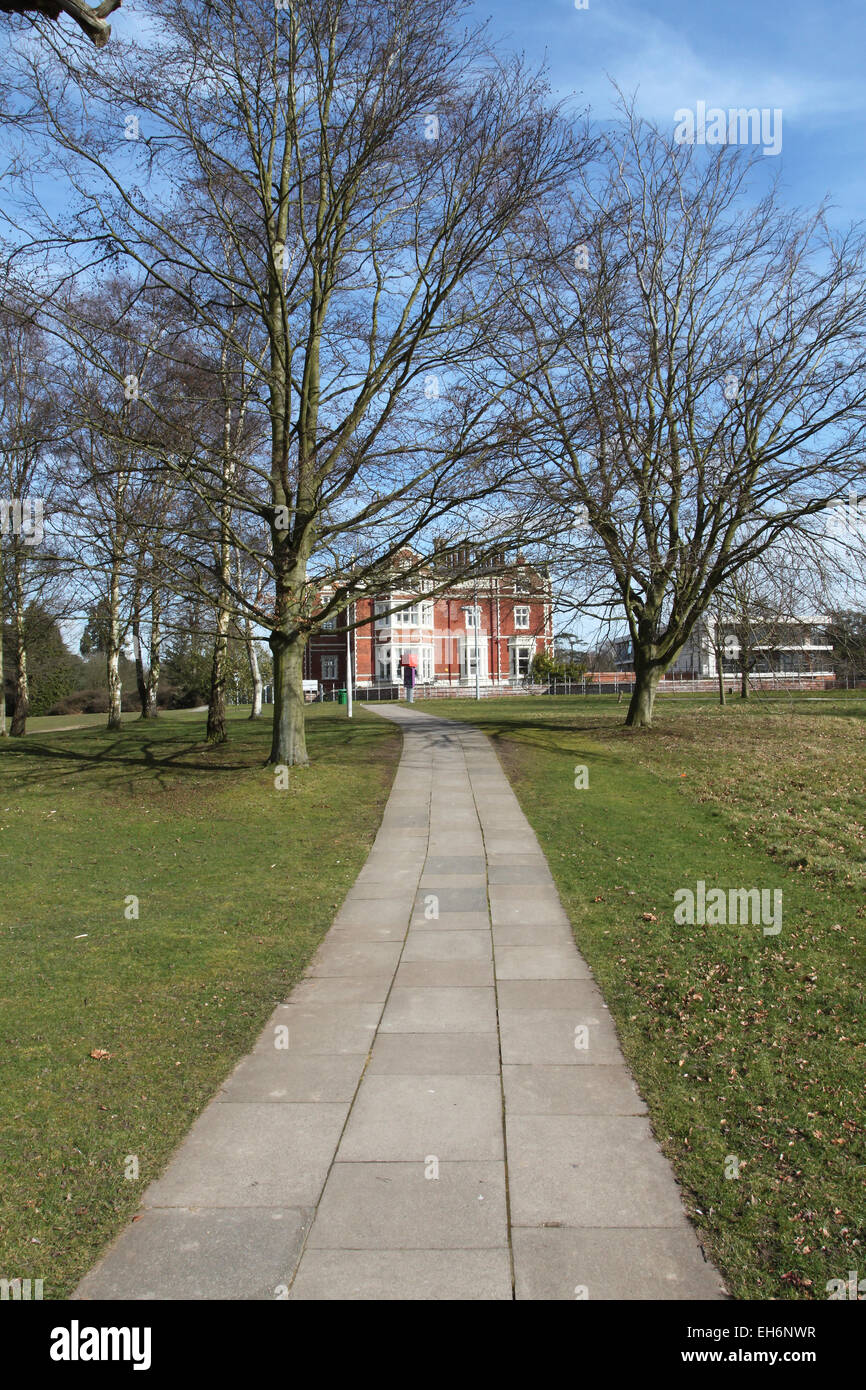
(288, 643)
(216, 713)
(140, 673)
(22, 688)
(744, 682)
(252, 654)
(216, 710)
(255, 673)
(647, 674)
(4, 733)
(289, 743)
(720, 672)
(155, 652)
(115, 693)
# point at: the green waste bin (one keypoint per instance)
(342, 697)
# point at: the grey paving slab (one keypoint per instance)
(530, 857)
(589, 1170)
(371, 930)
(522, 898)
(457, 811)
(447, 945)
(528, 915)
(520, 875)
(444, 845)
(252, 1155)
(547, 1037)
(456, 972)
(546, 962)
(395, 870)
(356, 958)
(550, 994)
(453, 865)
(373, 912)
(326, 1027)
(507, 845)
(426, 1204)
(341, 989)
(454, 921)
(280, 1076)
(471, 1054)
(570, 1090)
(431, 1066)
(499, 826)
(428, 1275)
(401, 1117)
(465, 898)
(534, 935)
(224, 1253)
(611, 1264)
(434, 883)
(471, 1010)
(372, 890)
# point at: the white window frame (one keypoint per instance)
(467, 657)
(425, 670)
(329, 625)
(473, 617)
(515, 648)
(522, 613)
(407, 617)
(385, 663)
(330, 668)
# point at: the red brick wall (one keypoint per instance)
(449, 623)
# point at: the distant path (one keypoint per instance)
(128, 717)
(452, 1117)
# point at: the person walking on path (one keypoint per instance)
(408, 665)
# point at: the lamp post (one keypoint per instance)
(475, 613)
(348, 666)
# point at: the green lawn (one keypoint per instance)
(744, 1045)
(236, 881)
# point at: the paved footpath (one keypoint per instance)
(435, 1127)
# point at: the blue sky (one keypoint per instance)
(805, 58)
(802, 56)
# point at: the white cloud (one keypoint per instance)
(644, 54)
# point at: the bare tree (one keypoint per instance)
(91, 19)
(28, 422)
(693, 366)
(344, 171)
(114, 491)
(256, 679)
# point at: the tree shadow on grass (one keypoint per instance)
(539, 734)
(170, 753)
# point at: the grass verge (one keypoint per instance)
(749, 1049)
(235, 882)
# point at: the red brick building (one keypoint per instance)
(498, 620)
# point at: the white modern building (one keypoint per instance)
(777, 648)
